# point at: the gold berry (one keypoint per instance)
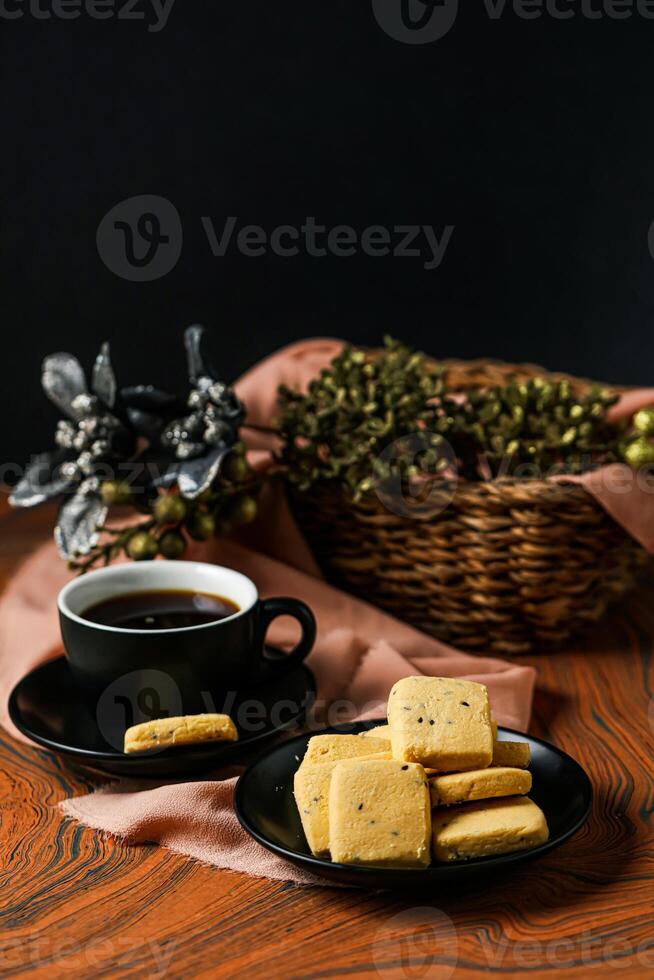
(142, 546)
(236, 468)
(639, 453)
(201, 527)
(644, 422)
(116, 492)
(169, 509)
(243, 510)
(172, 544)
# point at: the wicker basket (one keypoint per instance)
(510, 565)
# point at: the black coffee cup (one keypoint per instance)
(174, 671)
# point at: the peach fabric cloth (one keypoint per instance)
(360, 651)
(196, 820)
(627, 496)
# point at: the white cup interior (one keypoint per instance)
(147, 576)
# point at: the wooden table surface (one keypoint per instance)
(75, 903)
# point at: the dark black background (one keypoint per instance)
(533, 138)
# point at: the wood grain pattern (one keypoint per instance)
(73, 903)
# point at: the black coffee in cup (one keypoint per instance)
(199, 626)
(161, 609)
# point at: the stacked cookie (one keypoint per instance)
(435, 780)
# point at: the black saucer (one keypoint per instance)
(47, 707)
(266, 809)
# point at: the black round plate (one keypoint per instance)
(266, 809)
(47, 707)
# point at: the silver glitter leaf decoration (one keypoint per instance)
(194, 476)
(147, 409)
(144, 423)
(63, 380)
(147, 398)
(79, 523)
(104, 380)
(193, 343)
(42, 481)
(166, 479)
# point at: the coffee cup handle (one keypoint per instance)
(269, 609)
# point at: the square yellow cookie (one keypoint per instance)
(311, 790)
(517, 754)
(381, 731)
(183, 730)
(478, 784)
(476, 830)
(441, 722)
(331, 748)
(509, 753)
(379, 814)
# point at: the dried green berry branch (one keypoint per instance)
(373, 415)
(638, 449)
(357, 407)
(532, 428)
(172, 520)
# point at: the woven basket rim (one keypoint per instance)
(564, 487)
(527, 368)
(499, 566)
